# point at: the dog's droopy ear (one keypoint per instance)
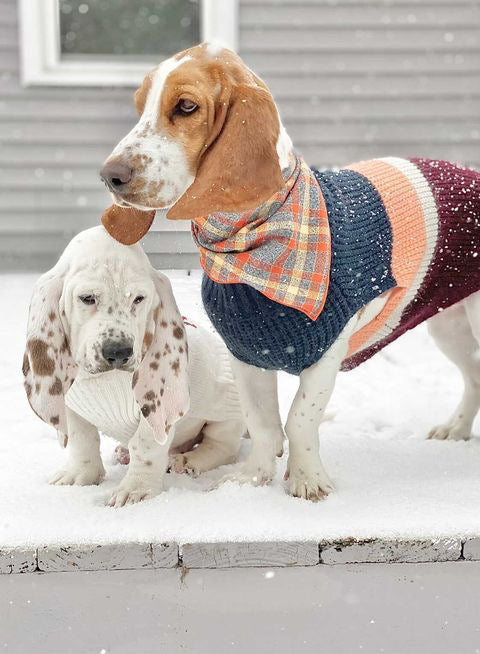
(161, 382)
(240, 169)
(48, 367)
(127, 225)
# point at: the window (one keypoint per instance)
(114, 42)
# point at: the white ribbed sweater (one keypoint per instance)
(107, 400)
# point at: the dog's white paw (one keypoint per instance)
(307, 482)
(79, 476)
(450, 432)
(132, 491)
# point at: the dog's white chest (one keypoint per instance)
(107, 401)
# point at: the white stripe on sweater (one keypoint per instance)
(430, 216)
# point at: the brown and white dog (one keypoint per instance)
(210, 138)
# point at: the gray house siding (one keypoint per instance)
(353, 79)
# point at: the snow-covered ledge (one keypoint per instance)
(138, 556)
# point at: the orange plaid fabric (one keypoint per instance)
(281, 248)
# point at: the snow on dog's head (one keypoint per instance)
(103, 307)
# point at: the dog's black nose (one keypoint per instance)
(116, 174)
(117, 353)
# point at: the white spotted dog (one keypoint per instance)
(306, 271)
(107, 352)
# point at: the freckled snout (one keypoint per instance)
(117, 353)
(116, 174)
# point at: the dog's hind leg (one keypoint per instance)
(219, 446)
(456, 332)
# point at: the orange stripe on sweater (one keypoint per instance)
(408, 232)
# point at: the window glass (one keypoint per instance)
(126, 28)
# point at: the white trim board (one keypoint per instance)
(140, 555)
(40, 47)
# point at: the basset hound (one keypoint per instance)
(306, 271)
(106, 352)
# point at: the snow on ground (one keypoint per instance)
(390, 481)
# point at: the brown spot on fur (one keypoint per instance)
(148, 462)
(162, 392)
(25, 365)
(135, 378)
(154, 365)
(147, 339)
(28, 389)
(110, 310)
(175, 366)
(55, 420)
(164, 323)
(65, 347)
(178, 332)
(148, 408)
(37, 388)
(50, 334)
(56, 388)
(150, 395)
(157, 355)
(42, 364)
(51, 316)
(180, 349)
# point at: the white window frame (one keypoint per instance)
(41, 55)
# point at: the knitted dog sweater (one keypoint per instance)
(409, 226)
(107, 401)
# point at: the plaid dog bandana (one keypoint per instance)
(281, 249)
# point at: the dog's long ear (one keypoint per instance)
(127, 225)
(240, 168)
(48, 367)
(161, 382)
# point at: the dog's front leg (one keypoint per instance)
(258, 396)
(305, 472)
(84, 466)
(147, 467)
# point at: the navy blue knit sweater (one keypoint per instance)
(269, 335)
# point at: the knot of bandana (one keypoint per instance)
(281, 248)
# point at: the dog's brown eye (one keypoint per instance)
(138, 299)
(88, 299)
(186, 107)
